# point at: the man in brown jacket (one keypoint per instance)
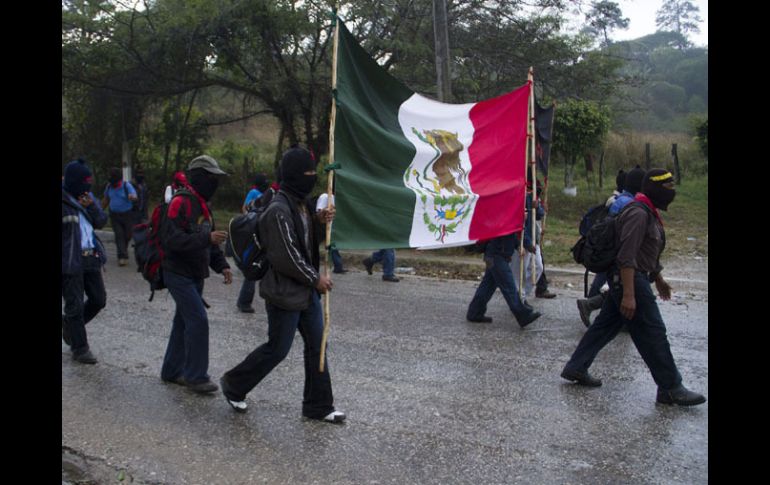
(631, 300)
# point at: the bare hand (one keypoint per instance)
(664, 289)
(324, 284)
(218, 237)
(228, 275)
(326, 215)
(85, 200)
(628, 307)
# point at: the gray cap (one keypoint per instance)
(207, 163)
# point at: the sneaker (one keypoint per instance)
(246, 309)
(390, 278)
(122, 262)
(581, 378)
(680, 396)
(528, 318)
(238, 406)
(585, 312)
(481, 319)
(545, 294)
(205, 387)
(335, 417)
(340, 271)
(65, 331)
(85, 357)
(368, 264)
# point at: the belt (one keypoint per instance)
(89, 252)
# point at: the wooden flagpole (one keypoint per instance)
(526, 166)
(545, 189)
(533, 170)
(329, 185)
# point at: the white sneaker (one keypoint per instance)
(239, 406)
(335, 417)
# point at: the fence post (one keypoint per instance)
(677, 172)
(647, 156)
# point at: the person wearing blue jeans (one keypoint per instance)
(497, 257)
(388, 259)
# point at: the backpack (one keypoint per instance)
(148, 249)
(598, 248)
(593, 215)
(243, 241)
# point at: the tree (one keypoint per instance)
(579, 128)
(679, 16)
(604, 17)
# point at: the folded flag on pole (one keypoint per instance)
(544, 126)
(414, 172)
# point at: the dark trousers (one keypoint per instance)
(187, 352)
(122, 226)
(497, 275)
(647, 330)
(596, 286)
(246, 295)
(317, 398)
(84, 297)
(337, 260)
(542, 282)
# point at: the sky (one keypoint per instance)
(641, 16)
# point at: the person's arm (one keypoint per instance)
(174, 234)
(283, 250)
(131, 191)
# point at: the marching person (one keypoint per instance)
(291, 289)
(631, 300)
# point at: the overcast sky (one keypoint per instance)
(641, 16)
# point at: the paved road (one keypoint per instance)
(430, 397)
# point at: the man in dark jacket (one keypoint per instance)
(290, 231)
(191, 244)
(83, 256)
(631, 300)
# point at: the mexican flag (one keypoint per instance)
(417, 173)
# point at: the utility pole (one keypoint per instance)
(441, 33)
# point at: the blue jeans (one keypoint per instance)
(388, 258)
(497, 275)
(336, 260)
(187, 353)
(78, 310)
(246, 296)
(596, 286)
(647, 330)
(317, 398)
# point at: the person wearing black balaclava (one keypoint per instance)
(120, 196)
(631, 300)
(191, 244)
(83, 256)
(291, 288)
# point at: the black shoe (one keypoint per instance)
(582, 378)
(585, 312)
(680, 396)
(390, 278)
(65, 331)
(545, 294)
(368, 264)
(238, 406)
(528, 318)
(205, 387)
(527, 305)
(177, 380)
(247, 309)
(481, 319)
(85, 357)
(341, 271)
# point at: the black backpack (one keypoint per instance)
(593, 215)
(243, 241)
(598, 248)
(148, 249)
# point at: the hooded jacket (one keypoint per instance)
(293, 273)
(71, 245)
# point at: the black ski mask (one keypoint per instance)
(116, 175)
(658, 185)
(77, 178)
(204, 182)
(295, 162)
(634, 179)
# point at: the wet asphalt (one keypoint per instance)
(430, 397)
